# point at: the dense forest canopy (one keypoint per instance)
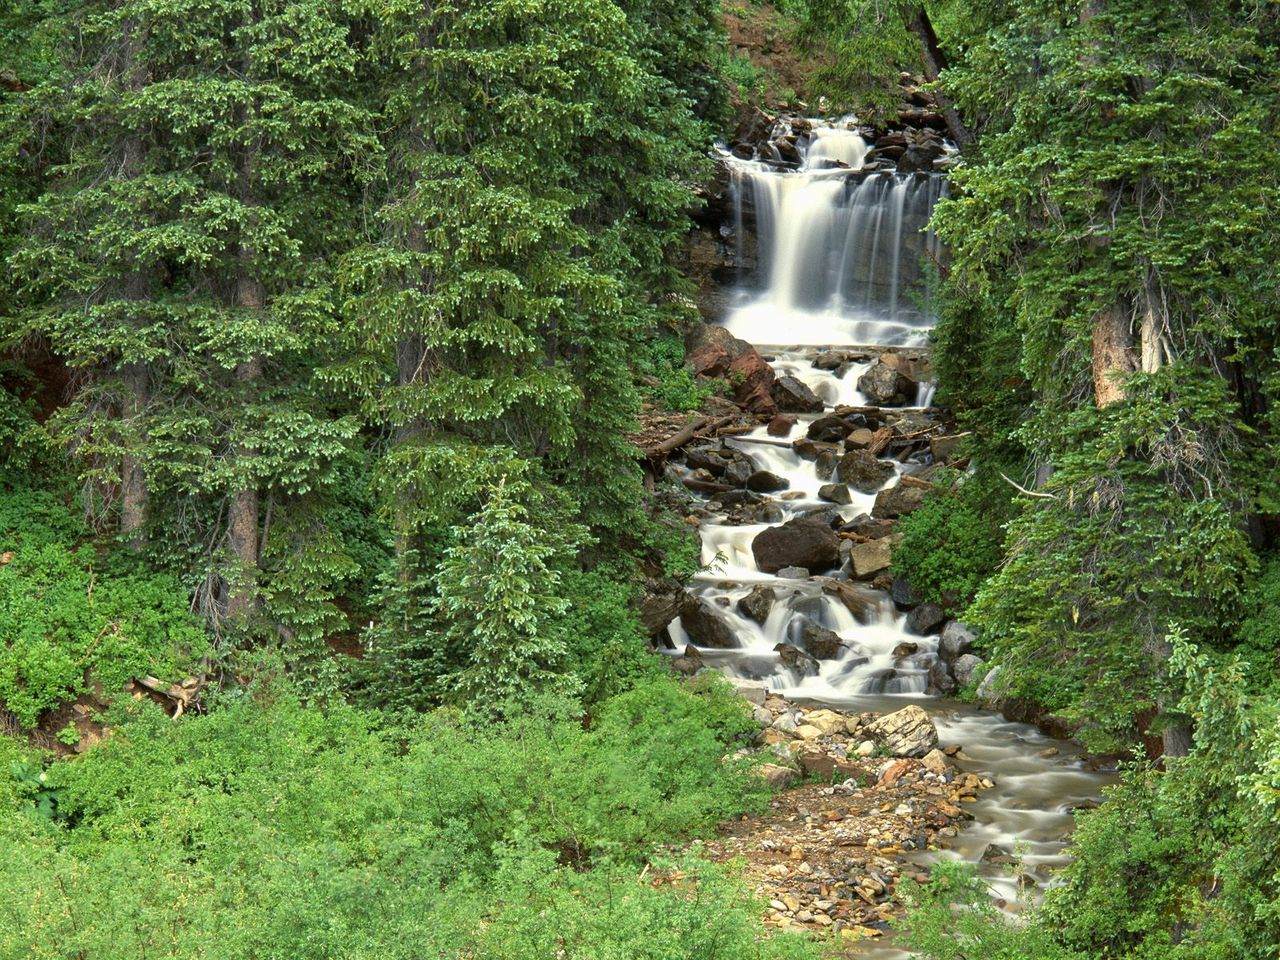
(326, 330)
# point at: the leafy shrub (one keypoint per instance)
(677, 388)
(952, 544)
(267, 829)
(69, 617)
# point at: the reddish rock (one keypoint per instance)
(781, 425)
(715, 352)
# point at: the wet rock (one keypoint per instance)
(901, 592)
(820, 642)
(829, 360)
(862, 603)
(864, 471)
(828, 429)
(774, 776)
(757, 604)
(781, 425)
(705, 627)
(897, 501)
(835, 493)
(796, 659)
(661, 600)
(989, 690)
(715, 352)
(762, 481)
(957, 639)
(824, 464)
(739, 471)
(798, 543)
(926, 619)
(770, 512)
(864, 526)
(906, 733)
(794, 573)
(860, 438)
(965, 668)
(885, 386)
(688, 663)
(940, 679)
(905, 649)
(871, 557)
(713, 459)
(794, 396)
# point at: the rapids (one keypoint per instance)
(842, 261)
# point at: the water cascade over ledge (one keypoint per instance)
(842, 257)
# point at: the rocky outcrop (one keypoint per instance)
(907, 733)
(705, 627)
(715, 352)
(798, 543)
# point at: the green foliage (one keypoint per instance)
(677, 389)
(70, 618)
(309, 833)
(951, 545)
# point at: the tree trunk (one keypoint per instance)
(1113, 354)
(935, 61)
(243, 520)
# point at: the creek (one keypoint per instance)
(835, 256)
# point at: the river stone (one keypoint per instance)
(774, 776)
(762, 717)
(739, 471)
(935, 761)
(897, 500)
(796, 659)
(870, 557)
(794, 573)
(824, 464)
(863, 471)
(762, 481)
(989, 689)
(828, 429)
(705, 627)
(886, 386)
(835, 493)
(781, 425)
(828, 721)
(757, 604)
(820, 642)
(906, 733)
(786, 723)
(905, 649)
(802, 542)
(957, 640)
(770, 512)
(901, 592)
(829, 360)
(794, 396)
(707, 457)
(940, 679)
(965, 667)
(926, 619)
(861, 437)
(749, 690)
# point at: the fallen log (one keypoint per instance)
(684, 435)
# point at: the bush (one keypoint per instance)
(952, 544)
(266, 829)
(71, 616)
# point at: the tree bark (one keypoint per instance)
(935, 61)
(1113, 353)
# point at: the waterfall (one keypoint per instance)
(842, 251)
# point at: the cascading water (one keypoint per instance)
(841, 255)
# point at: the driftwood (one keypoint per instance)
(683, 436)
(182, 695)
(707, 486)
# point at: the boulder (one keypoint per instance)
(944, 448)
(774, 776)
(897, 501)
(739, 470)
(661, 600)
(989, 690)
(794, 396)
(781, 425)
(762, 481)
(824, 464)
(828, 429)
(715, 352)
(901, 592)
(828, 721)
(802, 542)
(935, 761)
(796, 659)
(940, 679)
(906, 733)
(862, 603)
(749, 690)
(757, 604)
(966, 668)
(705, 627)
(860, 437)
(871, 557)
(884, 385)
(864, 471)
(957, 640)
(819, 641)
(926, 619)
(835, 493)
(713, 459)
(905, 649)
(870, 529)
(794, 573)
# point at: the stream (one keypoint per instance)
(840, 264)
